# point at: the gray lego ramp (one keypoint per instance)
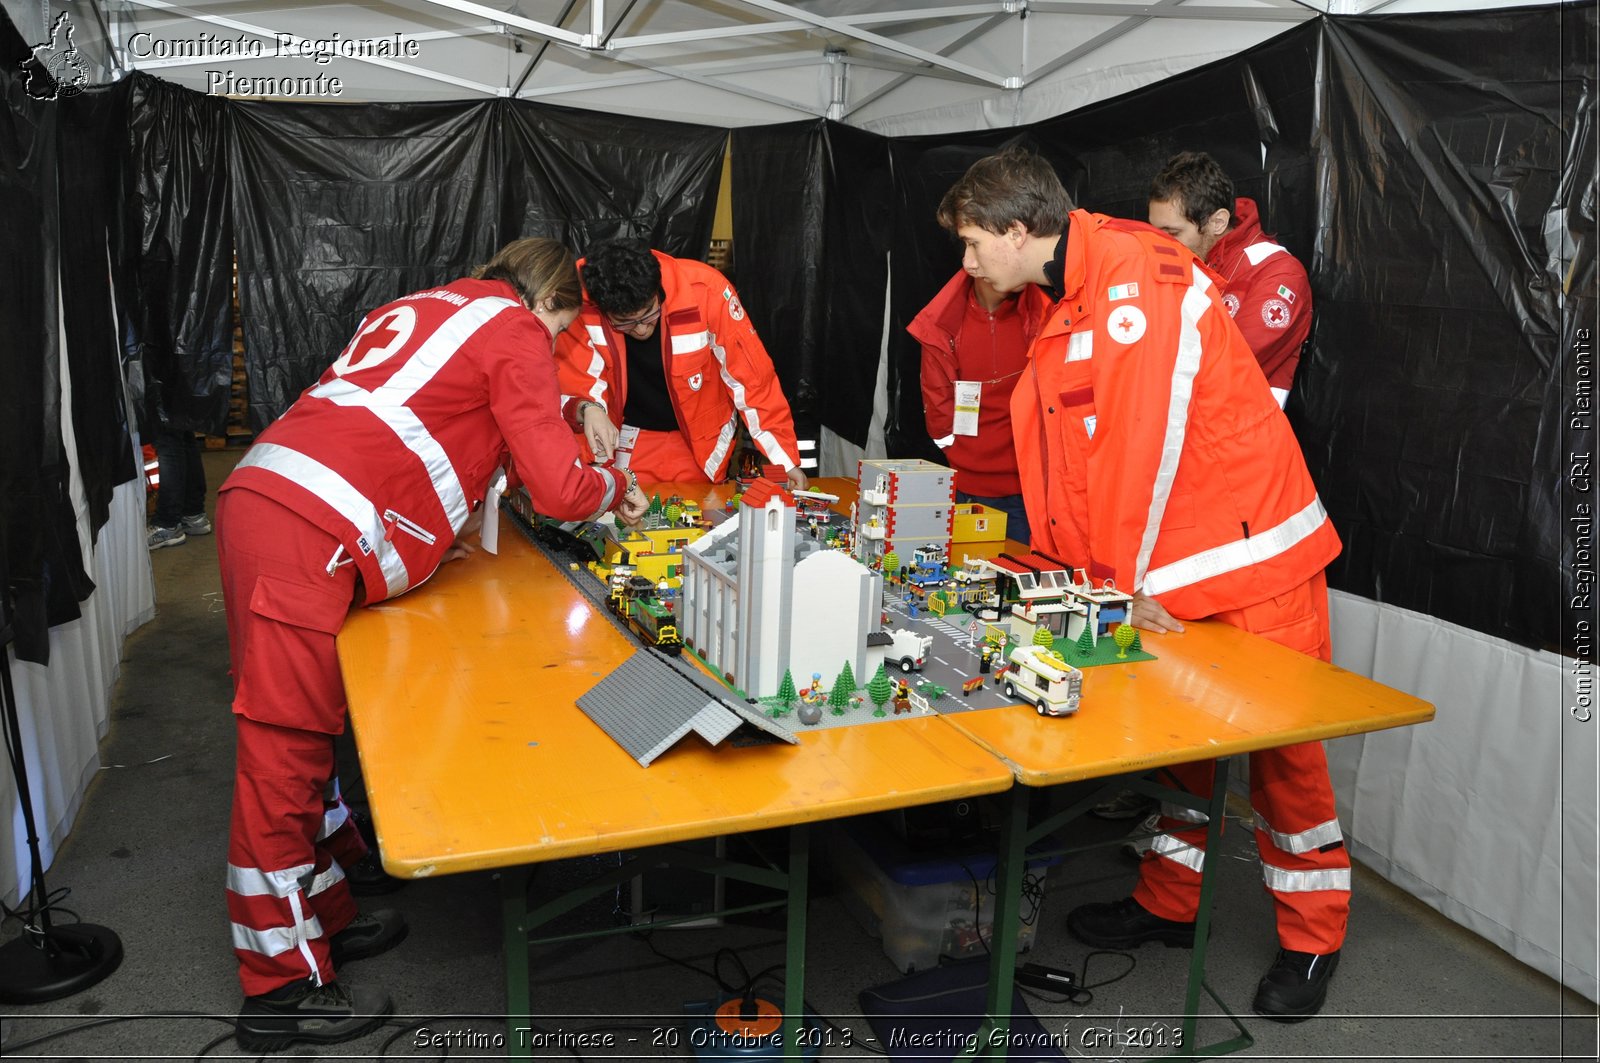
(646, 705)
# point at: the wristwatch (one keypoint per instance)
(584, 405)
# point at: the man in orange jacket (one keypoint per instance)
(661, 366)
(1154, 454)
(1264, 287)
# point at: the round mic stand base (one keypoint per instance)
(61, 961)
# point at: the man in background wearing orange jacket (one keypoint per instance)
(1264, 287)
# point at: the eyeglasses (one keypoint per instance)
(632, 323)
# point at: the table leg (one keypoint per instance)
(514, 930)
(1216, 811)
(1009, 870)
(794, 977)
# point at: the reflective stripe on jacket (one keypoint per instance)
(1152, 451)
(394, 445)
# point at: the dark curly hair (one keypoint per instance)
(621, 277)
(1194, 181)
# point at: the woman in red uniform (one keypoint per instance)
(356, 494)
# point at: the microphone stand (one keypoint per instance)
(46, 962)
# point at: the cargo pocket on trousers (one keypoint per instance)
(291, 672)
(1291, 620)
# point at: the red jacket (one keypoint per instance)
(716, 368)
(394, 445)
(963, 341)
(1151, 451)
(1267, 294)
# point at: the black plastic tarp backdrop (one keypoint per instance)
(811, 225)
(341, 208)
(58, 184)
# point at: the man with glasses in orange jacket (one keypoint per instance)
(663, 364)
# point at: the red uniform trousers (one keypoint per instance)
(290, 831)
(665, 457)
(1304, 863)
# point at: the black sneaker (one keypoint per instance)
(1295, 986)
(305, 1012)
(367, 878)
(367, 936)
(1125, 924)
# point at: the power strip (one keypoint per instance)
(1050, 979)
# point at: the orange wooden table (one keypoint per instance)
(475, 756)
(1212, 692)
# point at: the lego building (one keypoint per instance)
(904, 504)
(759, 599)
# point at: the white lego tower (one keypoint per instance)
(765, 583)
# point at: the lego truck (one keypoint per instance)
(909, 650)
(1042, 678)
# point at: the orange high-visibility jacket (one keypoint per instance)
(717, 369)
(1152, 451)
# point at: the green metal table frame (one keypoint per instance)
(1018, 837)
(520, 923)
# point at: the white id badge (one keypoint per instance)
(489, 536)
(969, 396)
(627, 439)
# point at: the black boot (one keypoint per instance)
(306, 1012)
(1125, 924)
(366, 876)
(368, 935)
(1295, 986)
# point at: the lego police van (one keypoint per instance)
(1041, 677)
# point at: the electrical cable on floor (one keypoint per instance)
(112, 1020)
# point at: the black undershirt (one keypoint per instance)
(649, 406)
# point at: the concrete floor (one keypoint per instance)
(147, 853)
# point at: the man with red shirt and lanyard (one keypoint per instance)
(357, 494)
(669, 408)
(1264, 287)
(1153, 454)
(974, 346)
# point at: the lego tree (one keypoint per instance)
(1043, 637)
(1137, 645)
(1123, 637)
(843, 689)
(879, 689)
(1085, 643)
(786, 691)
(891, 564)
(674, 514)
(657, 511)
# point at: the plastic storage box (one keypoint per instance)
(924, 906)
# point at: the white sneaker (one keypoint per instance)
(1137, 847)
(158, 537)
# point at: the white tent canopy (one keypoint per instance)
(891, 66)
